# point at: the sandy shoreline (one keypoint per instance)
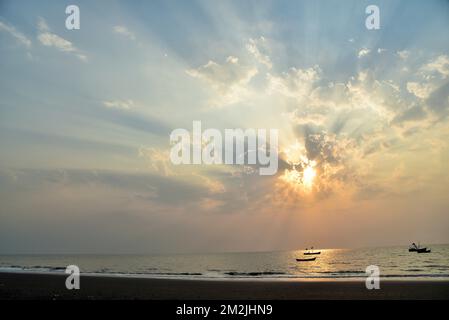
(52, 286)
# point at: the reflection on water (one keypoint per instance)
(394, 263)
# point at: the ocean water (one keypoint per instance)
(393, 262)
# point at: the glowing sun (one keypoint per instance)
(301, 181)
(308, 176)
(302, 175)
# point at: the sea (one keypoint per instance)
(394, 263)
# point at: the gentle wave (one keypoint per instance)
(436, 266)
(254, 274)
(354, 274)
(343, 272)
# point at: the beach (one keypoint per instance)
(16, 286)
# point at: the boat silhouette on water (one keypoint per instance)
(306, 259)
(315, 252)
(311, 252)
(417, 248)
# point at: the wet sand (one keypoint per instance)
(52, 287)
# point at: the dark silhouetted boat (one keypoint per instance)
(306, 259)
(417, 248)
(310, 252)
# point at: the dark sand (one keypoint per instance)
(52, 286)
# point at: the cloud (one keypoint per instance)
(347, 127)
(125, 32)
(415, 113)
(159, 163)
(20, 37)
(159, 189)
(430, 85)
(50, 39)
(229, 79)
(367, 102)
(296, 83)
(42, 25)
(438, 101)
(322, 147)
(379, 96)
(158, 160)
(118, 112)
(212, 188)
(420, 90)
(439, 65)
(333, 161)
(119, 104)
(324, 103)
(259, 49)
(404, 54)
(363, 52)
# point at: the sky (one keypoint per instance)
(85, 119)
